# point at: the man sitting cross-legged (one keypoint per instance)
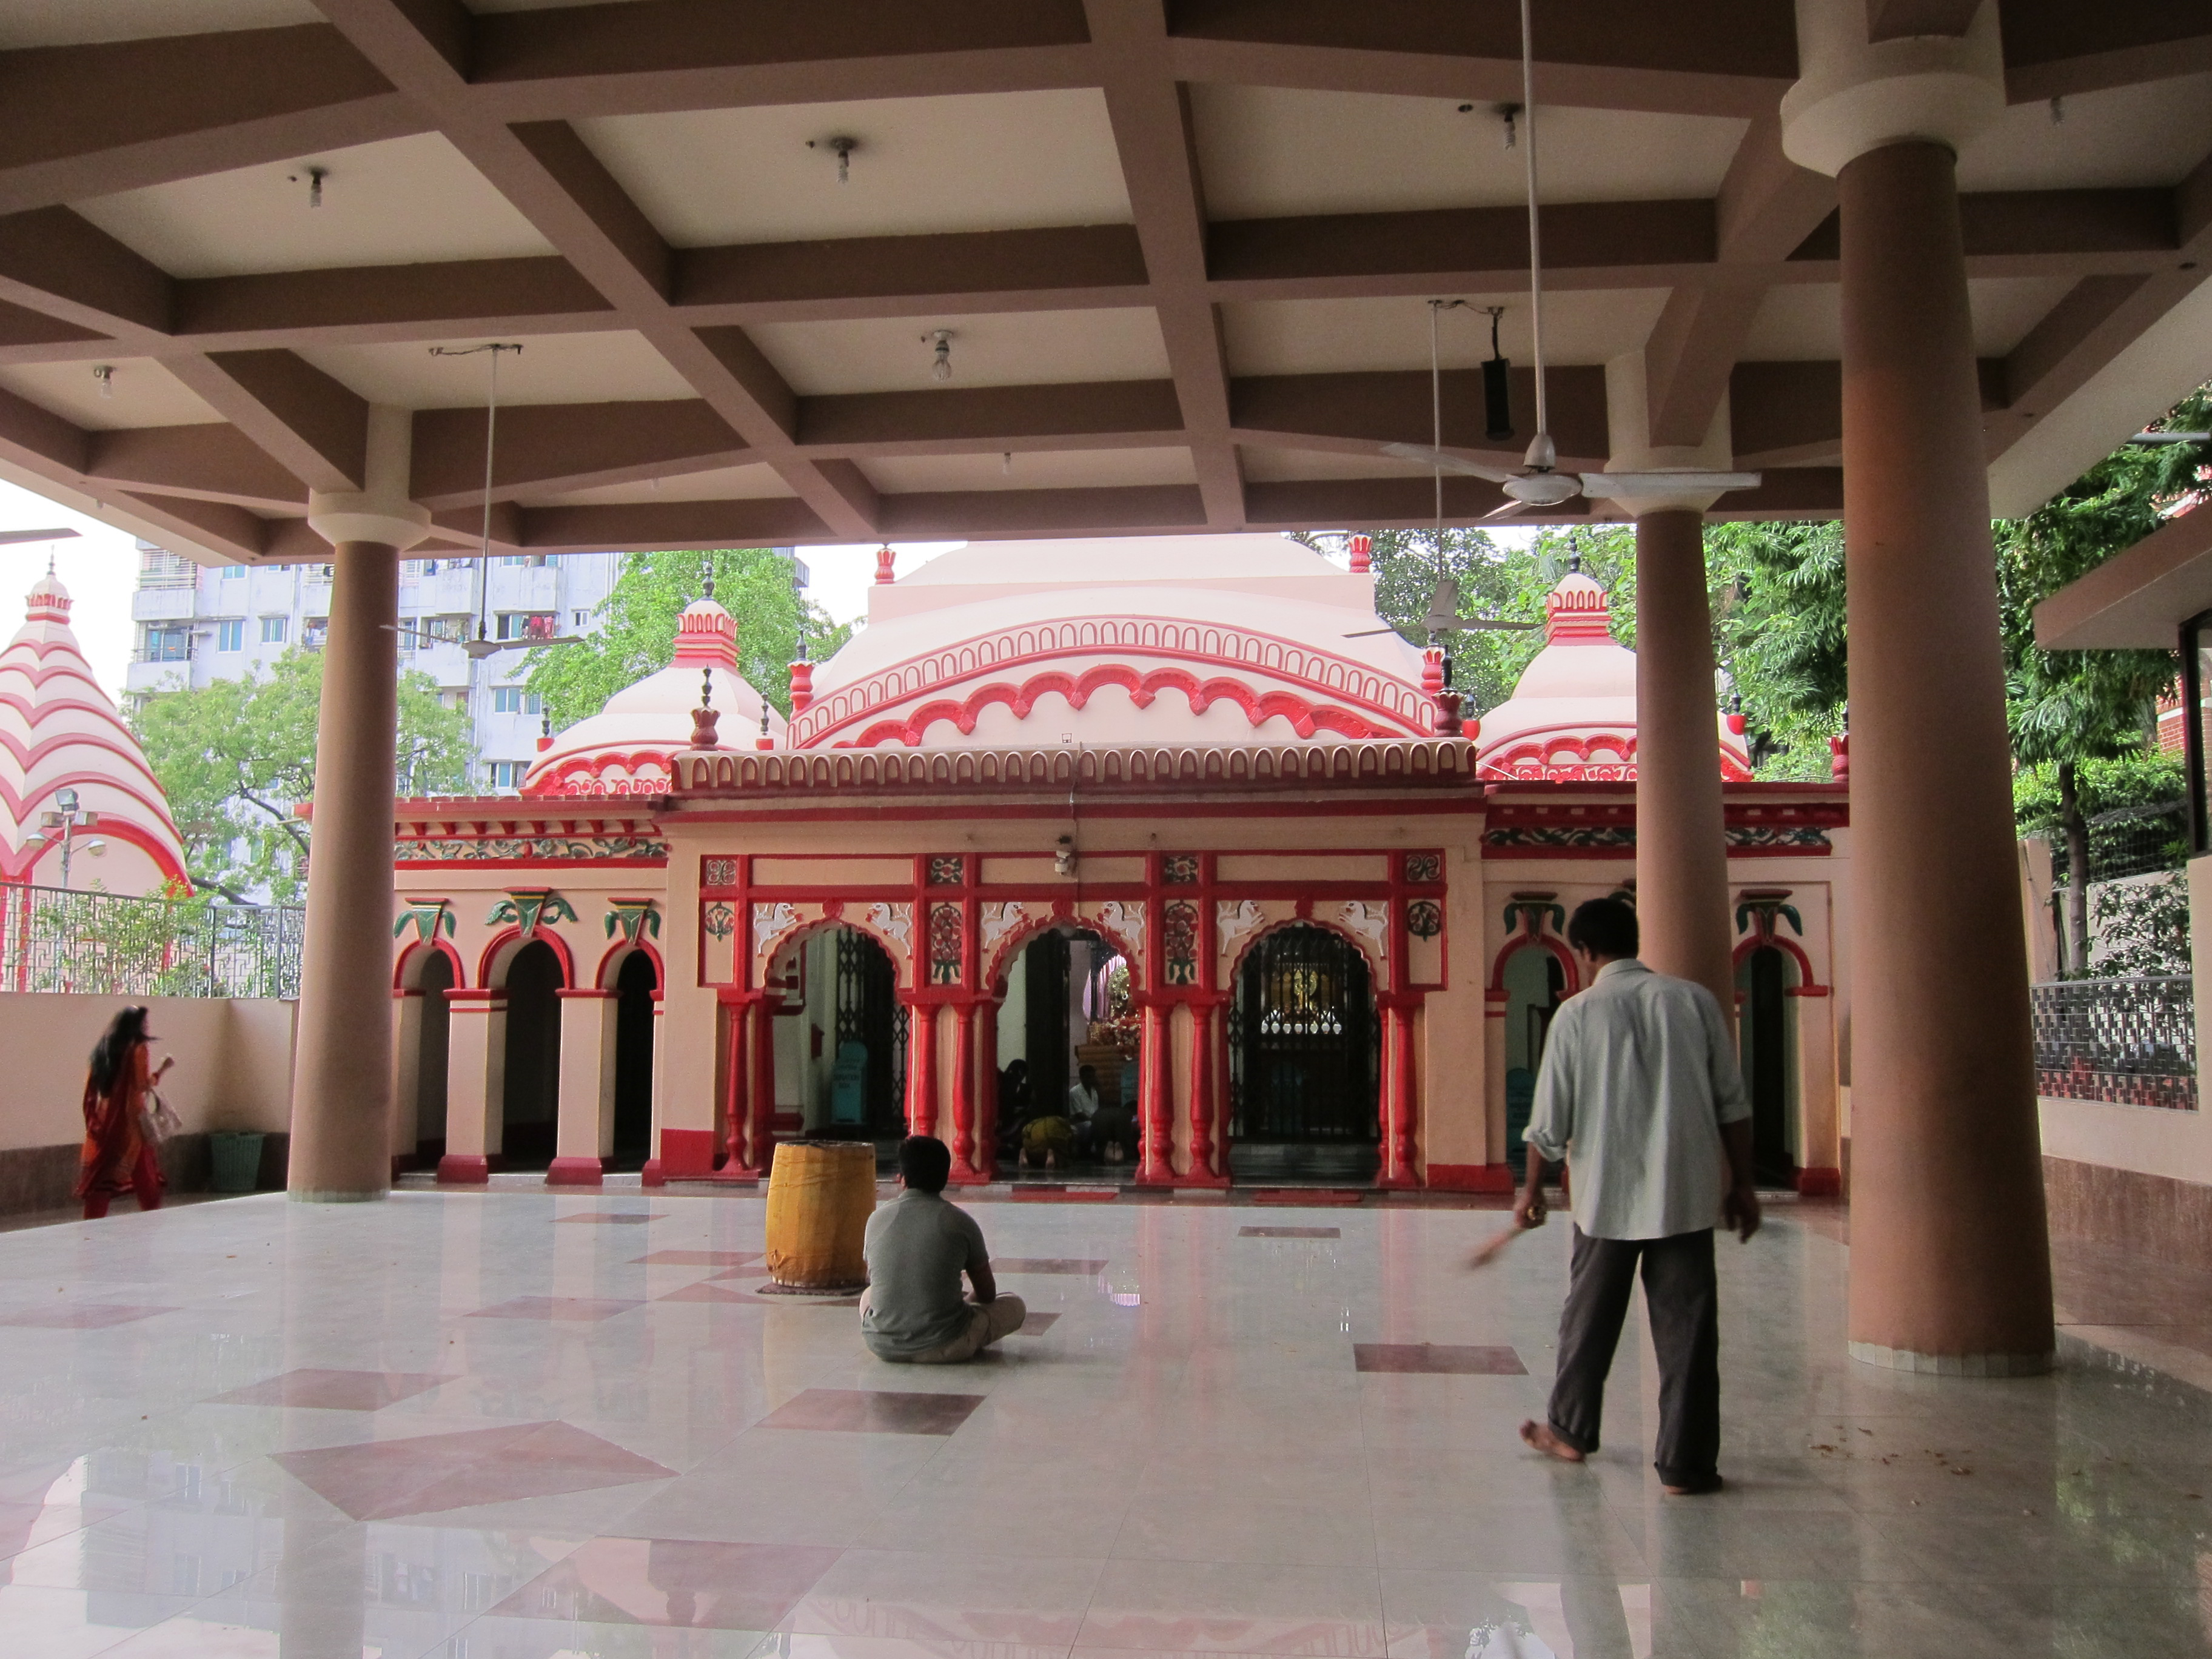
(917, 1247)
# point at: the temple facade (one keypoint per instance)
(1170, 811)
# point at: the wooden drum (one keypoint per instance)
(820, 1194)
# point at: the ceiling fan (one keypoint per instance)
(1444, 615)
(483, 645)
(1539, 482)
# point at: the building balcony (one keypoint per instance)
(166, 604)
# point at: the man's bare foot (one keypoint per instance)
(1539, 1438)
(1711, 1483)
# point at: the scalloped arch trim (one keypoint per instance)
(1306, 717)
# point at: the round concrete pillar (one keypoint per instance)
(342, 1069)
(1681, 851)
(1950, 1264)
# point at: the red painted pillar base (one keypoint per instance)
(574, 1172)
(464, 1169)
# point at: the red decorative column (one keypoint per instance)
(985, 1161)
(1154, 1100)
(1201, 1092)
(738, 1087)
(1397, 1097)
(963, 1096)
(761, 1050)
(921, 1068)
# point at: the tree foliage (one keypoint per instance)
(237, 756)
(754, 584)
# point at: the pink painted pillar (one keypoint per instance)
(761, 1050)
(985, 1160)
(1202, 1015)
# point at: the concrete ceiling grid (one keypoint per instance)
(1183, 250)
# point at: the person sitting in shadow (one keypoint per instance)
(917, 1246)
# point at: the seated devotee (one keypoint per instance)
(917, 1247)
(1083, 1110)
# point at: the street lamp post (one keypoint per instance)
(67, 820)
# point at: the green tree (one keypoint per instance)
(2067, 708)
(754, 584)
(1779, 633)
(237, 756)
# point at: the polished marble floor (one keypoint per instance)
(517, 1427)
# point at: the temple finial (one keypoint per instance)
(707, 576)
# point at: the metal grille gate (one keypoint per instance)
(868, 1014)
(1303, 1040)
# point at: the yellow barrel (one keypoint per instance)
(820, 1194)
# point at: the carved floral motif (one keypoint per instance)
(946, 936)
(718, 873)
(1179, 942)
(1179, 869)
(527, 906)
(1422, 868)
(948, 871)
(720, 921)
(597, 849)
(1424, 918)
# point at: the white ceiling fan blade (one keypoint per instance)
(1426, 457)
(1363, 633)
(1476, 624)
(1507, 511)
(1605, 485)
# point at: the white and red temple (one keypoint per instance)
(1165, 806)
(62, 738)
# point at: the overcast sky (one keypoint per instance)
(100, 567)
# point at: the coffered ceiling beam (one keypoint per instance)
(580, 446)
(2052, 47)
(1157, 145)
(210, 461)
(90, 120)
(316, 427)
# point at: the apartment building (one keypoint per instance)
(196, 625)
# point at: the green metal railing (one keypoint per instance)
(56, 939)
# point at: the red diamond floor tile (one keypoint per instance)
(1030, 1264)
(1438, 1358)
(607, 1218)
(873, 1411)
(661, 1581)
(573, 1309)
(383, 1479)
(81, 1316)
(336, 1391)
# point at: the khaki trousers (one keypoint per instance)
(987, 1322)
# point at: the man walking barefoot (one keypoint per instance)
(1640, 1094)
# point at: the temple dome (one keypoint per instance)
(58, 731)
(1189, 640)
(625, 748)
(1572, 714)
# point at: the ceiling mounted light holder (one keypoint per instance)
(941, 342)
(314, 176)
(843, 148)
(105, 375)
(1509, 117)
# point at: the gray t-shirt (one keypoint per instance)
(917, 1247)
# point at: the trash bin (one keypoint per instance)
(820, 1194)
(234, 1160)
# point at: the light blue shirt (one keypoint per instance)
(1638, 1075)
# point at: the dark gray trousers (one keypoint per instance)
(1684, 1301)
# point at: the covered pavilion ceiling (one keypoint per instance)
(1183, 248)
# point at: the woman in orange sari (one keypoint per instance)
(116, 1153)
